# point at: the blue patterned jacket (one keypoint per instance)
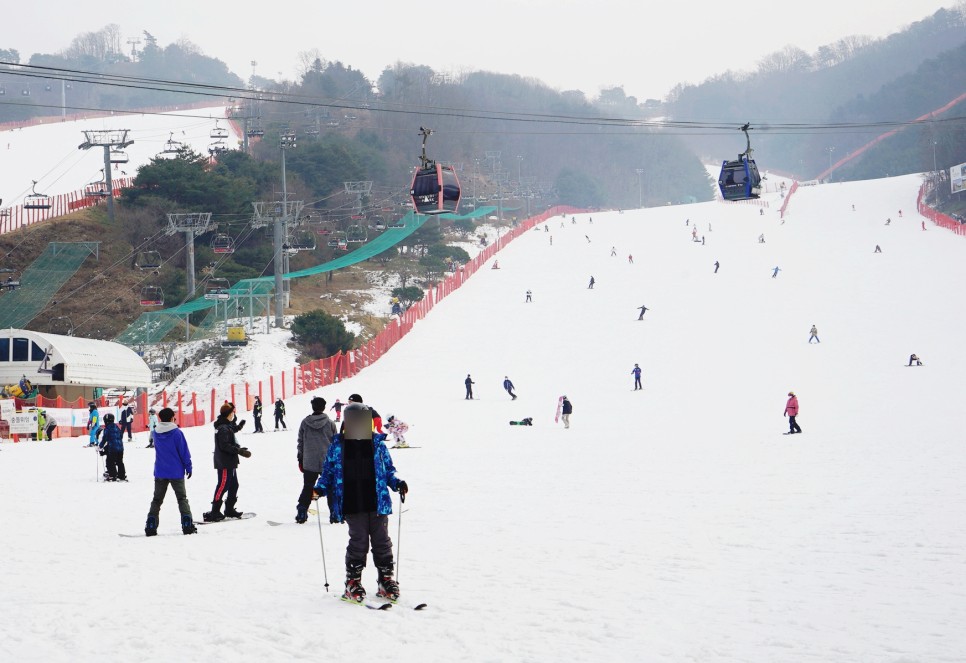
(330, 481)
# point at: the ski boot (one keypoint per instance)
(230, 511)
(388, 587)
(151, 526)
(214, 515)
(301, 514)
(354, 591)
(187, 524)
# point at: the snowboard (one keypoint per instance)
(556, 417)
(246, 515)
(408, 446)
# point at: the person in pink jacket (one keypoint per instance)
(791, 411)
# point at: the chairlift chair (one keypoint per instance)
(356, 234)
(217, 147)
(96, 190)
(223, 243)
(36, 200)
(218, 133)
(302, 241)
(148, 260)
(10, 282)
(152, 295)
(217, 290)
(118, 156)
(172, 148)
(739, 179)
(435, 188)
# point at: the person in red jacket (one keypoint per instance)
(791, 411)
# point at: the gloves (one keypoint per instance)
(102, 451)
(403, 488)
(241, 424)
(188, 474)
(245, 452)
(300, 468)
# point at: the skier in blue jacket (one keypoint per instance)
(93, 424)
(112, 445)
(358, 473)
(172, 463)
(636, 372)
(509, 387)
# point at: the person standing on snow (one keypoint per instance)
(913, 358)
(529, 296)
(636, 372)
(791, 411)
(592, 282)
(337, 406)
(172, 463)
(227, 451)
(112, 445)
(315, 435)
(565, 412)
(716, 266)
(397, 428)
(469, 387)
(127, 421)
(152, 425)
(509, 387)
(280, 414)
(93, 424)
(358, 473)
(774, 273)
(813, 333)
(257, 415)
(613, 251)
(643, 310)
(50, 427)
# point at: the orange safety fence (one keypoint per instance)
(17, 216)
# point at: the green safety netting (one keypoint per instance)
(153, 326)
(41, 281)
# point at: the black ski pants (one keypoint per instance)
(280, 419)
(115, 465)
(126, 426)
(363, 529)
(793, 426)
(227, 488)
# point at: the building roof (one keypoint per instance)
(86, 361)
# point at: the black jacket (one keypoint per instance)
(567, 407)
(226, 448)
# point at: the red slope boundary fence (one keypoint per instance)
(320, 373)
(17, 217)
(940, 219)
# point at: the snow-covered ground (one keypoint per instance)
(49, 154)
(670, 524)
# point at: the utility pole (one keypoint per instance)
(640, 188)
(109, 139)
(286, 142)
(275, 213)
(134, 47)
(830, 150)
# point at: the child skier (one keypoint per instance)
(112, 444)
(93, 424)
(337, 406)
(397, 429)
(152, 424)
(359, 473)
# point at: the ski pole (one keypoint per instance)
(325, 571)
(402, 500)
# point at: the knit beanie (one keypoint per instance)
(227, 409)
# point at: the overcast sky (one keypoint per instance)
(568, 44)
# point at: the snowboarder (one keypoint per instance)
(761, 238)
(529, 296)
(878, 249)
(630, 259)
(227, 451)
(613, 251)
(469, 387)
(358, 472)
(152, 425)
(813, 333)
(337, 406)
(49, 427)
(127, 420)
(257, 415)
(791, 411)
(775, 271)
(112, 445)
(591, 285)
(315, 435)
(172, 463)
(93, 424)
(636, 372)
(526, 421)
(914, 359)
(509, 387)
(643, 310)
(716, 266)
(397, 428)
(280, 414)
(566, 411)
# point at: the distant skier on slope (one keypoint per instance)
(590, 286)
(775, 271)
(813, 333)
(469, 387)
(636, 372)
(509, 387)
(791, 411)
(914, 360)
(643, 310)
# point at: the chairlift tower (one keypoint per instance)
(286, 141)
(358, 189)
(109, 139)
(192, 224)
